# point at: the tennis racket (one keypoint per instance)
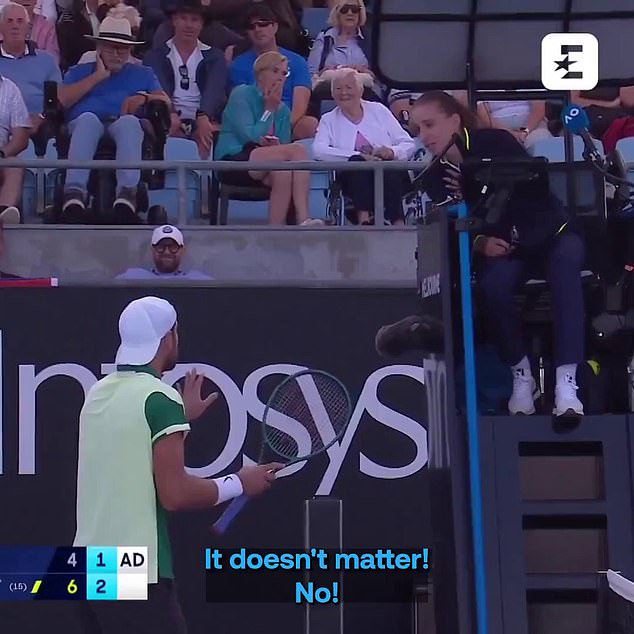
(320, 403)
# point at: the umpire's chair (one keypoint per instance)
(155, 120)
(585, 197)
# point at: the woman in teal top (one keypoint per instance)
(256, 126)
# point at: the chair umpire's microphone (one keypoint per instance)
(576, 121)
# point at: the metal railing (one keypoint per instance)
(182, 167)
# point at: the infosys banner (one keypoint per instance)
(56, 343)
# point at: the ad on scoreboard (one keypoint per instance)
(56, 343)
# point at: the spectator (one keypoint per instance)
(25, 66)
(358, 130)
(78, 19)
(535, 234)
(168, 250)
(105, 95)
(525, 120)
(15, 126)
(194, 75)
(263, 28)
(41, 30)
(118, 11)
(603, 106)
(256, 126)
(287, 12)
(213, 32)
(47, 9)
(342, 45)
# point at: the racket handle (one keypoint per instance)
(230, 513)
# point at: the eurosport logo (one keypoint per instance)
(242, 402)
(570, 61)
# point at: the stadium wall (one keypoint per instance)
(56, 342)
(99, 254)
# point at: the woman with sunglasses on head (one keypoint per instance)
(256, 126)
(343, 45)
(532, 237)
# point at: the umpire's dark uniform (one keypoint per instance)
(547, 243)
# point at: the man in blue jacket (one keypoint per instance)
(194, 75)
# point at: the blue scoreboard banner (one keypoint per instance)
(94, 573)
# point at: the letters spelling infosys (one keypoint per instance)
(242, 403)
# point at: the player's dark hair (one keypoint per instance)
(449, 105)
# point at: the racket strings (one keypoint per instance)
(319, 403)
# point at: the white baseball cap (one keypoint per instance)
(168, 231)
(142, 325)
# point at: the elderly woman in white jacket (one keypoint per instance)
(358, 130)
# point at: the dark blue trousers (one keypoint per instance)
(561, 264)
(359, 187)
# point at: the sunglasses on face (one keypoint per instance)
(262, 24)
(172, 247)
(355, 9)
(184, 73)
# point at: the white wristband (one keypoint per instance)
(229, 487)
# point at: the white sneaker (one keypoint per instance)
(566, 401)
(313, 222)
(525, 393)
(10, 216)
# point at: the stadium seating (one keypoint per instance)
(34, 187)
(625, 147)
(250, 204)
(326, 105)
(314, 20)
(180, 150)
(554, 149)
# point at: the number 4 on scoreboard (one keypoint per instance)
(72, 560)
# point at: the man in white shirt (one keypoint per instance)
(168, 249)
(15, 128)
(194, 75)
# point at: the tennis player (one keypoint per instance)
(131, 468)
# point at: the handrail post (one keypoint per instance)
(379, 216)
(182, 195)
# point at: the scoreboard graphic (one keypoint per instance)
(111, 573)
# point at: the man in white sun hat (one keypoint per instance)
(168, 250)
(105, 95)
(131, 469)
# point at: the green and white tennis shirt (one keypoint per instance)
(124, 415)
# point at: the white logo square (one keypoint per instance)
(570, 61)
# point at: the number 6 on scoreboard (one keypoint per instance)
(72, 587)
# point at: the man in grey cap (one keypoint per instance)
(168, 249)
(131, 469)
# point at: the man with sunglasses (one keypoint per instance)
(168, 249)
(262, 32)
(193, 74)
